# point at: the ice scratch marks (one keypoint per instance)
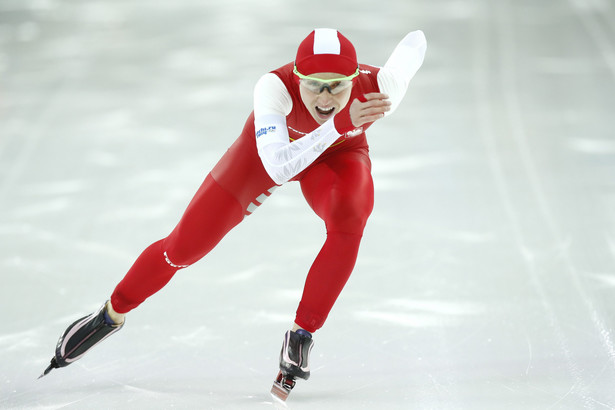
(197, 337)
(61, 405)
(142, 391)
(601, 404)
(564, 396)
(30, 134)
(530, 355)
(513, 104)
(518, 133)
(515, 129)
(589, 402)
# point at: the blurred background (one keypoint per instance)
(487, 271)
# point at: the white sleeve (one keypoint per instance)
(281, 158)
(402, 65)
(271, 96)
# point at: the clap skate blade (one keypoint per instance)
(282, 386)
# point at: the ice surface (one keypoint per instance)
(487, 271)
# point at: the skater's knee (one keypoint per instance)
(180, 251)
(176, 255)
(350, 220)
(168, 249)
(175, 262)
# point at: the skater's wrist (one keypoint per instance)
(342, 121)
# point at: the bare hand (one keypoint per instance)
(372, 109)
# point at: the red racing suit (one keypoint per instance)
(337, 185)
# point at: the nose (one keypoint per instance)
(324, 98)
(327, 87)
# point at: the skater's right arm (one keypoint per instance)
(281, 158)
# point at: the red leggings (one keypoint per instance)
(338, 187)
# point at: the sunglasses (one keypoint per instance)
(318, 85)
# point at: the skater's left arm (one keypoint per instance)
(402, 65)
(281, 158)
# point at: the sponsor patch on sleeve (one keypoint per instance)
(265, 130)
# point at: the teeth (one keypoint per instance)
(325, 110)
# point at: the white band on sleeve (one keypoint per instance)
(283, 159)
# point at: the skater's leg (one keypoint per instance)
(236, 186)
(340, 191)
(211, 214)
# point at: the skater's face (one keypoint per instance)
(324, 99)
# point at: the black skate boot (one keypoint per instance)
(81, 336)
(294, 362)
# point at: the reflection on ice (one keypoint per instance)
(419, 313)
(393, 165)
(593, 145)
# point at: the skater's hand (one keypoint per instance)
(369, 108)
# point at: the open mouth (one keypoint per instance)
(324, 113)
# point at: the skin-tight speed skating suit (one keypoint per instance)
(281, 142)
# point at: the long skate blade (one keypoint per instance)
(282, 385)
(279, 392)
(52, 365)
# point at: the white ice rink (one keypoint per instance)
(486, 277)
